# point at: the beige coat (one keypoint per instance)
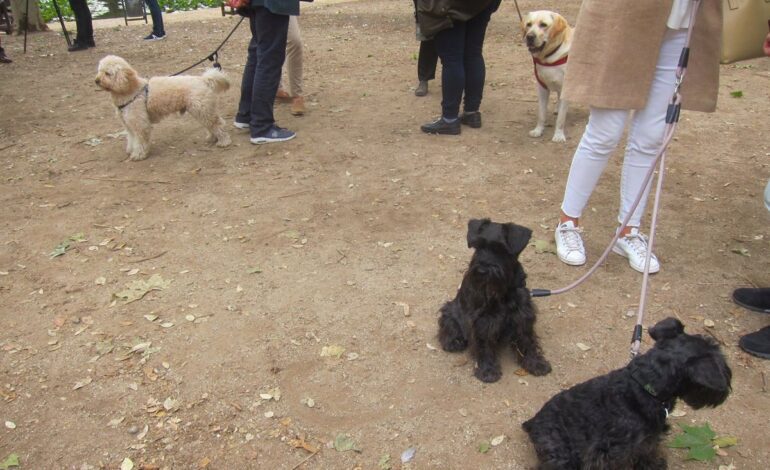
(615, 49)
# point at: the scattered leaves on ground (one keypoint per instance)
(332, 351)
(344, 443)
(11, 461)
(701, 442)
(137, 289)
(544, 246)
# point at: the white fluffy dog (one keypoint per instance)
(141, 102)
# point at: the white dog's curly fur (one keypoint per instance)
(141, 102)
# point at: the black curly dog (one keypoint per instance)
(616, 421)
(493, 305)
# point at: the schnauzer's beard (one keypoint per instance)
(489, 279)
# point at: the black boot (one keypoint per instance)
(756, 299)
(4, 59)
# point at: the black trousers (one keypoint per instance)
(83, 21)
(426, 61)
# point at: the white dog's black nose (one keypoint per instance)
(530, 39)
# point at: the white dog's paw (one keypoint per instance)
(224, 141)
(136, 156)
(559, 137)
(536, 132)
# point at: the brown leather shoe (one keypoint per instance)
(282, 95)
(298, 106)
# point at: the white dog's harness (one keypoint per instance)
(144, 91)
(537, 62)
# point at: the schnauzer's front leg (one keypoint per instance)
(450, 331)
(487, 365)
(650, 459)
(525, 343)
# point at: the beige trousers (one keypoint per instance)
(294, 58)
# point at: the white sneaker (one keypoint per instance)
(569, 245)
(634, 247)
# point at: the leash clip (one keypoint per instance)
(215, 58)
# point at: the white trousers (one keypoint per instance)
(605, 129)
(294, 57)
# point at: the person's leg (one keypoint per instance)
(473, 60)
(85, 31)
(294, 66)
(450, 46)
(600, 138)
(426, 66)
(243, 117)
(157, 18)
(645, 135)
(271, 32)
(426, 61)
(294, 57)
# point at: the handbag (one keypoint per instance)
(745, 26)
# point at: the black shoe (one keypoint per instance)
(471, 119)
(4, 59)
(757, 343)
(78, 46)
(755, 299)
(422, 88)
(440, 126)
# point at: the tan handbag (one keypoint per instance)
(746, 24)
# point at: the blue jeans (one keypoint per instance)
(157, 17)
(262, 72)
(462, 63)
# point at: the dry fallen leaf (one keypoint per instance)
(82, 383)
(583, 347)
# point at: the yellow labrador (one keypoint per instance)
(548, 37)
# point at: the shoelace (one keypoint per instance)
(637, 242)
(571, 237)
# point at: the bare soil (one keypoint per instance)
(352, 236)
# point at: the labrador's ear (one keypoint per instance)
(558, 26)
(666, 329)
(516, 238)
(476, 227)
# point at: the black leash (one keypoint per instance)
(214, 56)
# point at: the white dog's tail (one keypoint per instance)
(216, 80)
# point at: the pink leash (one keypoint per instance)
(672, 118)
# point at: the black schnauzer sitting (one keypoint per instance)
(493, 305)
(616, 421)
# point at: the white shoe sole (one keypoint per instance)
(241, 125)
(622, 253)
(268, 140)
(571, 263)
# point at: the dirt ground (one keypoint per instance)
(344, 241)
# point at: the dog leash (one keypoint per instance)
(515, 2)
(214, 56)
(672, 118)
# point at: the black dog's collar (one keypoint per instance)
(648, 387)
(144, 91)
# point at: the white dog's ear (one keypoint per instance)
(558, 26)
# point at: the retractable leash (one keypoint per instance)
(672, 118)
(214, 56)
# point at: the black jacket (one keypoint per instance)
(437, 15)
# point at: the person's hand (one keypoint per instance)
(766, 45)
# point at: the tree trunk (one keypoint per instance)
(35, 23)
